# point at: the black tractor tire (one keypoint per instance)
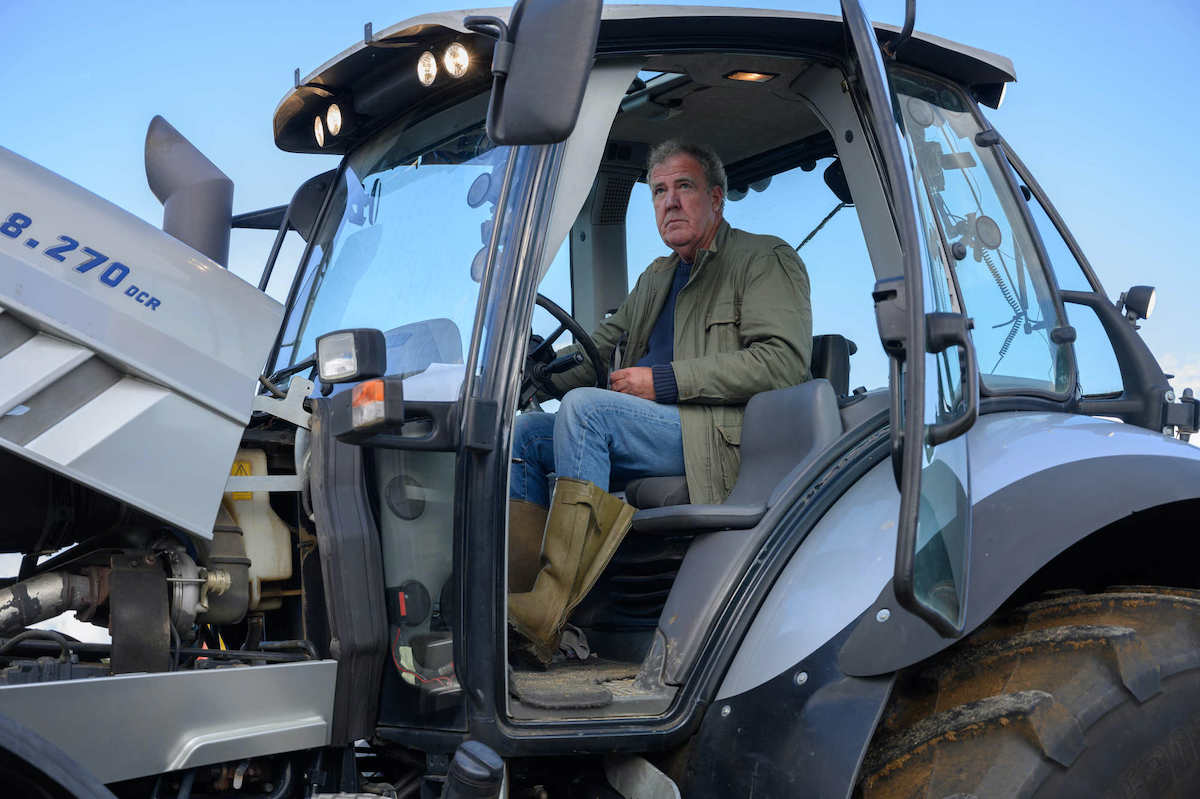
(32, 767)
(1075, 695)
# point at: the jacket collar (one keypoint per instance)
(722, 235)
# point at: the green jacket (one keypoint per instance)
(743, 324)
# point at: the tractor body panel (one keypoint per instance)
(123, 349)
(1024, 470)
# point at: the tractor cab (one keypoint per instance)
(468, 254)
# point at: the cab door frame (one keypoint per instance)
(910, 331)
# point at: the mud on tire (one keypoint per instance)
(1075, 695)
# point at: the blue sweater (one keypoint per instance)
(660, 349)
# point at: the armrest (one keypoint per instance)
(676, 519)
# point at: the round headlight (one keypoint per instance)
(457, 59)
(319, 131)
(333, 119)
(426, 68)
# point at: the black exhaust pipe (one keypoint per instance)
(197, 197)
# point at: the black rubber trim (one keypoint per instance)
(805, 731)
(352, 572)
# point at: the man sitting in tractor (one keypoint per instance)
(723, 318)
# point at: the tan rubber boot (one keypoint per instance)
(584, 527)
(526, 523)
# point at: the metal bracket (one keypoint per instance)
(139, 616)
(291, 407)
(263, 482)
(1181, 417)
(891, 315)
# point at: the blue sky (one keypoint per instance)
(1104, 111)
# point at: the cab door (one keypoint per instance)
(933, 375)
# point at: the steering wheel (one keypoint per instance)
(540, 362)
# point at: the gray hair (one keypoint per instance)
(710, 162)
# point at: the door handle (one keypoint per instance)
(942, 331)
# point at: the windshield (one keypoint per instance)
(967, 201)
(402, 249)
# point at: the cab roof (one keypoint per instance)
(375, 78)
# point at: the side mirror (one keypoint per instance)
(345, 356)
(540, 66)
(1138, 303)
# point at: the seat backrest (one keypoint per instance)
(781, 427)
(831, 360)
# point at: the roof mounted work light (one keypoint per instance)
(457, 60)
(427, 68)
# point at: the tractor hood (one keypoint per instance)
(128, 360)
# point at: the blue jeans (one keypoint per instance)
(597, 435)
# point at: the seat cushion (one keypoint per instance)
(657, 492)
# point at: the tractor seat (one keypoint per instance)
(830, 361)
(782, 430)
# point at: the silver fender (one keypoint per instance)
(1022, 464)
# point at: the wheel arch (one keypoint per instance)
(1041, 517)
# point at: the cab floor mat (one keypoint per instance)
(570, 685)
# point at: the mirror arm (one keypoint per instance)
(497, 29)
(910, 18)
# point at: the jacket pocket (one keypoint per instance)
(723, 312)
(721, 327)
(729, 454)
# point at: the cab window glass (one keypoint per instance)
(248, 251)
(792, 205)
(1003, 284)
(1067, 271)
(1097, 363)
(1094, 356)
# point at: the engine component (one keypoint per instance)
(267, 539)
(190, 588)
(217, 593)
(139, 618)
(48, 669)
(227, 554)
(47, 595)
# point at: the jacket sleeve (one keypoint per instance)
(775, 333)
(606, 337)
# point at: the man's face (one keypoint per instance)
(686, 208)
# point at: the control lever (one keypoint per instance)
(541, 373)
(564, 362)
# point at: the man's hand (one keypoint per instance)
(637, 380)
